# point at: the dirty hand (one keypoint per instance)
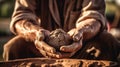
(71, 49)
(45, 49)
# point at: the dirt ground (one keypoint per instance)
(45, 62)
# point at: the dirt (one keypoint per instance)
(44, 62)
(58, 38)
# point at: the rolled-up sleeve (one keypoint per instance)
(24, 9)
(93, 9)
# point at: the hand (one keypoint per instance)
(46, 50)
(70, 50)
(75, 46)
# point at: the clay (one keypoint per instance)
(45, 62)
(58, 38)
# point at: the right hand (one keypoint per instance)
(46, 50)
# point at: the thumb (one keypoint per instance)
(77, 36)
(71, 32)
(72, 48)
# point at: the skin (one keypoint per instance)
(83, 31)
(86, 27)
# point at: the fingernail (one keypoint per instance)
(62, 49)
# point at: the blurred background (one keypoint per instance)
(7, 6)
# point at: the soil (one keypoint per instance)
(44, 62)
(58, 38)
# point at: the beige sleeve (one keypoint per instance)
(24, 10)
(93, 9)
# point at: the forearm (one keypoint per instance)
(27, 29)
(89, 28)
(92, 18)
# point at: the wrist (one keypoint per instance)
(36, 31)
(88, 31)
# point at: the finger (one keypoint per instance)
(71, 32)
(43, 52)
(77, 36)
(45, 46)
(71, 48)
(67, 54)
(54, 55)
(50, 55)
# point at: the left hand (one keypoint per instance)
(71, 49)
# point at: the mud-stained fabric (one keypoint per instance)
(46, 13)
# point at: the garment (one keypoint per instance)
(47, 14)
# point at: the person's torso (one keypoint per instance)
(58, 13)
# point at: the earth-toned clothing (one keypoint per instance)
(45, 13)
